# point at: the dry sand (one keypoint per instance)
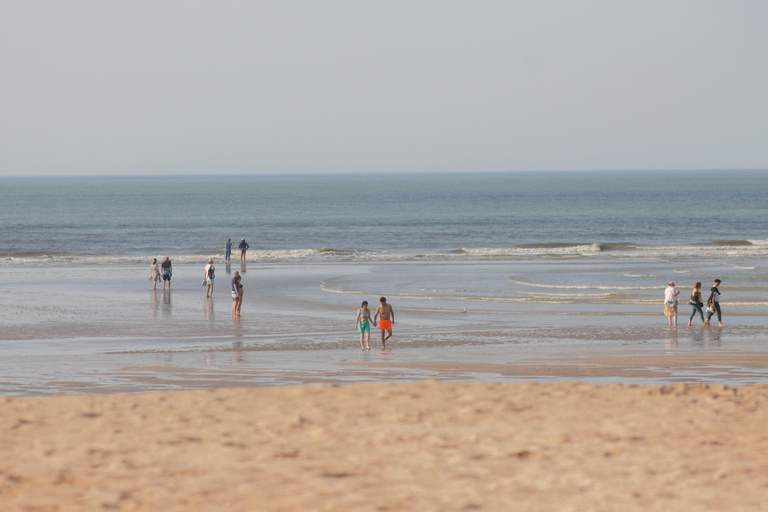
(421, 446)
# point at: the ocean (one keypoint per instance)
(483, 266)
(386, 217)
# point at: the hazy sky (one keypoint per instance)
(190, 86)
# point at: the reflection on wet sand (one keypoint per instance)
(167, 306)
(237, 352)
(154, 306)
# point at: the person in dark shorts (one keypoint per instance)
(167, 270)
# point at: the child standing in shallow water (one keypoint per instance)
(363, 324)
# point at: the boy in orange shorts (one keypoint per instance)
(386, 321)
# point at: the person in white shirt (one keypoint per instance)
(670, 302)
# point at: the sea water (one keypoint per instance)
(651, 215)
(504, 260)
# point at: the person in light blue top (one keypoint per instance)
(228, 250)
(363, 324)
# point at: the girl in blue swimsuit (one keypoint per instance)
(363, 324)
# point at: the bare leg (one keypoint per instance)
(362, 338)
(368, 340)
(383, 339)
(389, 335)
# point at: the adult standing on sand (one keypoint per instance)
(208, 276)
(362, 322)
(243, 247)
(228, 250)
(670, 302)
(386, 321)
(235, 293)
(696, 302)
(714, 304)
(154, 273)
(240, 300)
(167, 272)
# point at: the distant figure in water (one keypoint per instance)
(228, 250)
(154, 273)
(243, 247)
(386, 321)
(363, 324)
(670, 302)
(167, 272)
(696, 302)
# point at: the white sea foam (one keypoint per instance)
(583, 287)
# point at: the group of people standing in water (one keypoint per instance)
(713, 303)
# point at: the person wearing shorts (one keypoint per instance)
(209, 273)
(387, 315)
(363, 324)
(167, 270)
(235, 293)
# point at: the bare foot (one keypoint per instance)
(721, 325)
(689, 324)
(706, 322)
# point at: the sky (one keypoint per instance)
(243, 87)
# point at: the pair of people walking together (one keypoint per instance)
(386, 317)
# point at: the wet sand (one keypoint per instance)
(418, 446)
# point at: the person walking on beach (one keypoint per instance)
(167, 272)
(713, 304)
(386, 321)
(362, 322)
(243, 247)
(228, 250)
(209, 273)
(154, 273)
(696, 302)
(670, 302)
(235, 293)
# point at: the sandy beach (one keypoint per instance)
(419, 446)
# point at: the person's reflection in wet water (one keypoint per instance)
(714, 337)
(696, 335)
(670, 337)
(237, 352)
(210, 316)
(154, 305)
(167, 306)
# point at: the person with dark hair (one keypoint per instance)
(228, 250)
(235, 288)
(386, 321)
(362, 322)
(167, 270)
(696, 302)
(243, 247)
(713, 304)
